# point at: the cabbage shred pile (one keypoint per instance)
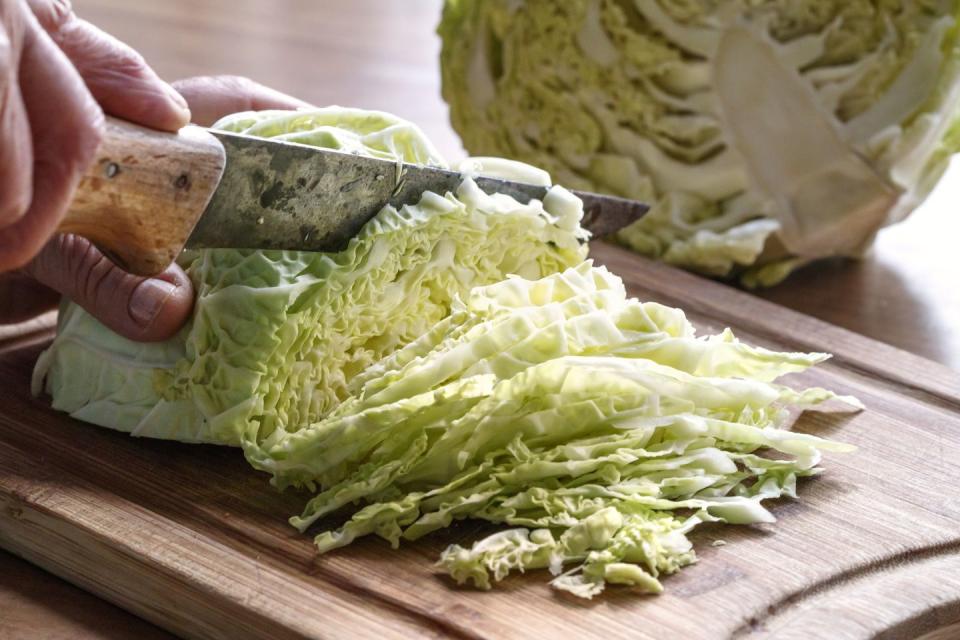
(459, 359)
(598, 424)
(766, 133)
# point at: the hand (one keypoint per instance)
(58, 75)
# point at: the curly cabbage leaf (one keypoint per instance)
(276, 336)
(766, 132)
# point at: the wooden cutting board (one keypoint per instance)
(194, 540)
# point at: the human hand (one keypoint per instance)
(58, 75)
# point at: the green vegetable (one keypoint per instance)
(599, 424)
(767, 133)
(408, 379)
(277, 336)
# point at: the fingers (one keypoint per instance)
(212, 97)
(52, 126)
(16, 158)
(116, 75)
(66, 126)
(145, 309)
(16, 151)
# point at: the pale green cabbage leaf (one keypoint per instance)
(409, 381)
(765, 132)
(600, 427)
(276, 336)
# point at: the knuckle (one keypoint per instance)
(84, 266)
(229, 83)
(98, 56)
(132, 61)
(47, 265)
(95, 270)
(240, 84)
(123, 61)
(98, 51)
(61, 12)
(53, 15)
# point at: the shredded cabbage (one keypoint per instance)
(460, 359)
(600, 426)
(766, 132)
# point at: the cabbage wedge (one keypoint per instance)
(766, 132)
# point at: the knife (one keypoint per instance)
(148, 194)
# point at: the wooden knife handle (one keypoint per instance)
(144, 192)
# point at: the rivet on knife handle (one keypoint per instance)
(141, 197)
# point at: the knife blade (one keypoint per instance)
(281, 195)
(149, 194)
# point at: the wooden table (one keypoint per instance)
(382, 54)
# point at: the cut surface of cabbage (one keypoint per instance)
(459, 359)
(766, 133)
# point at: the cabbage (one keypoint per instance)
(767, 133)
(276, 336)
(600, 428)
(459, 359)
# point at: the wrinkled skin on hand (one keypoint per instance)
(59, 75)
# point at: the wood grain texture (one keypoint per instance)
(192, 539)
(382, 54)
(144, 192)
(46, 607)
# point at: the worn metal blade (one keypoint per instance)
(280, 195)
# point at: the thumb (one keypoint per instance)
(143, 309)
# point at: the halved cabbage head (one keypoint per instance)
(277, 336)
(766, 132)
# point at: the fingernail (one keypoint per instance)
(148, 299)
(175, 96)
